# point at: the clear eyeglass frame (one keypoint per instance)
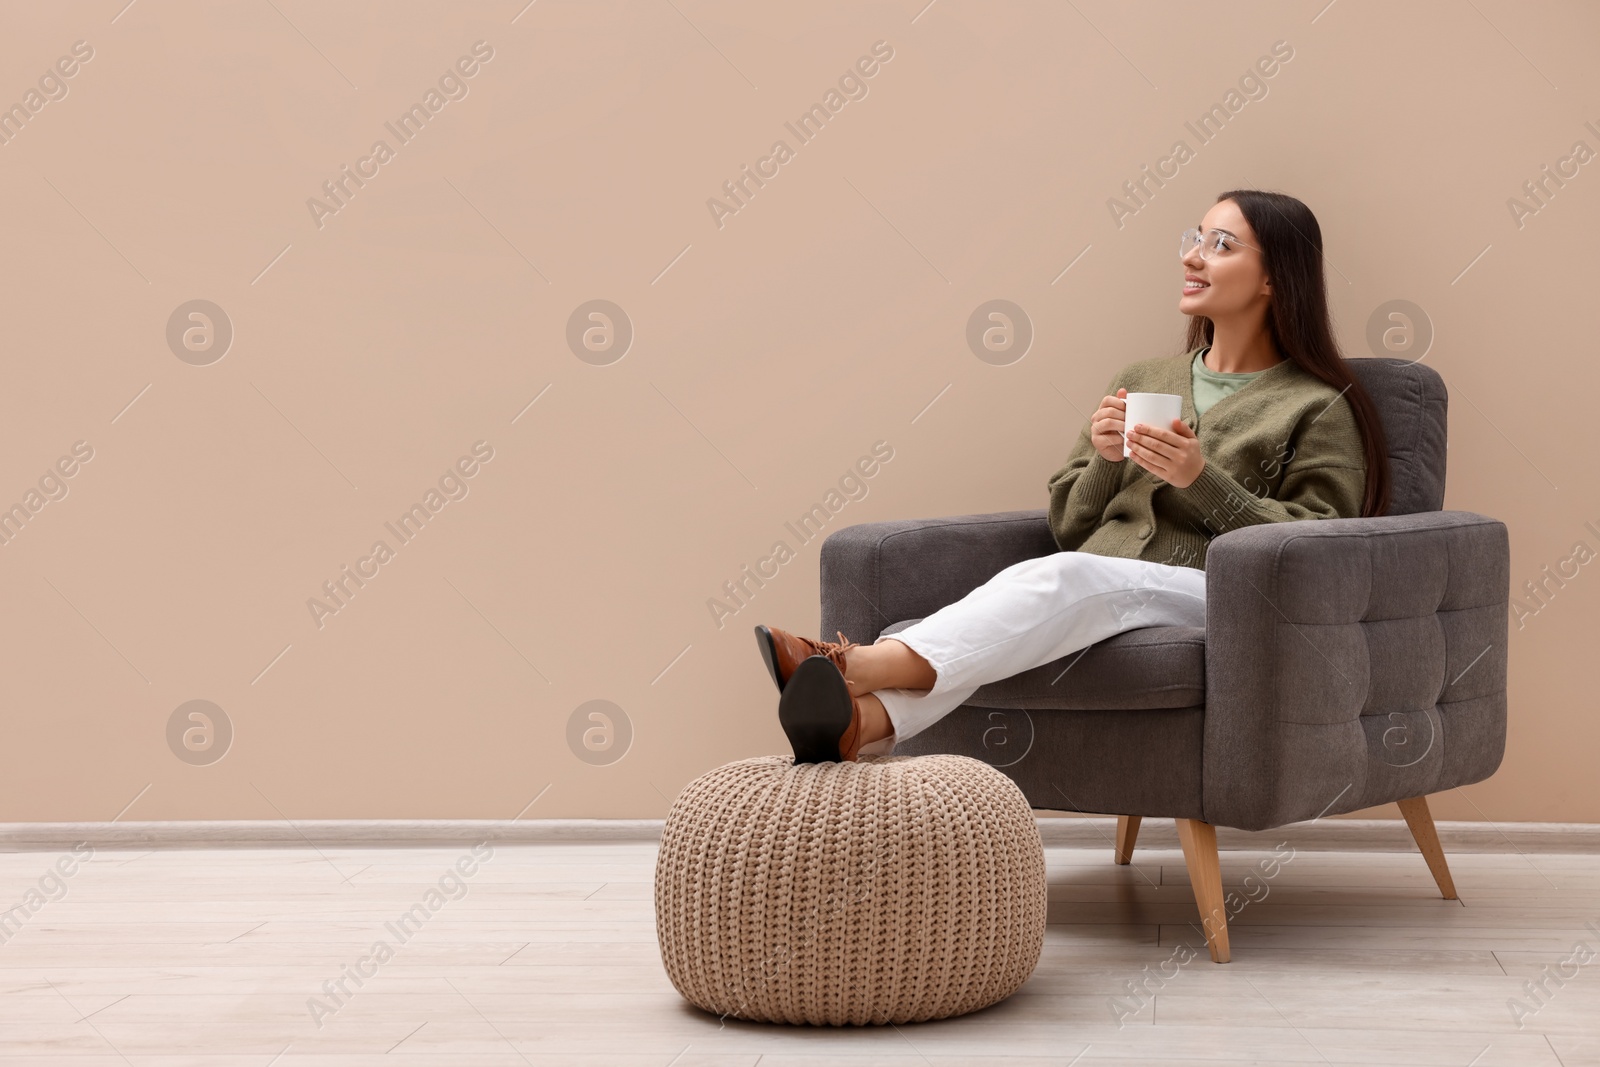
(1211, 244)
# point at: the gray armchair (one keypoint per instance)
(1345, 663)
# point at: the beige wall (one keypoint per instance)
(375, 345)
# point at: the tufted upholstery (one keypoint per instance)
(1344, 663)
(1353, 662)
(1412, 405)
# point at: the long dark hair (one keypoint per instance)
(1291, 251)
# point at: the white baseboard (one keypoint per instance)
(325, 833)
(1330, 835)
(1338, 835)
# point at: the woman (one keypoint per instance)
(1276, 428)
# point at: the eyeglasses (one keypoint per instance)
(1213, 242)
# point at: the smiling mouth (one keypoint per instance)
(1195, 287)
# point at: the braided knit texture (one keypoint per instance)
(889, 890)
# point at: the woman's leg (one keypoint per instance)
(1029, 614)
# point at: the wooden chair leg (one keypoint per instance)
(1420, 820)
(1127, 834)
(1205, 876)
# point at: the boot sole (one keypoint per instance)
(815, 711)
(769, 654)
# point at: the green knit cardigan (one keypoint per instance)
(1283, 447)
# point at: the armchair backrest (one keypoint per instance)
(1412, 403)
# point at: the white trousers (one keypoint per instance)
(1029, 614)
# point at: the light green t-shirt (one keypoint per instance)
(1211, 386)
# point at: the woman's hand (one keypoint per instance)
(1105, 428)
(1172, 455)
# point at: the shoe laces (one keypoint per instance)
(835, 650)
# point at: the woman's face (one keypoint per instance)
(1232, 279)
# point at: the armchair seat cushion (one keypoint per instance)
(1150, 668)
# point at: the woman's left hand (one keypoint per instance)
(1172, 455)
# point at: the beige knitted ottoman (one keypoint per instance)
(891, 890)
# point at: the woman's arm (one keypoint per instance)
(1080, 491)
(1324, 478)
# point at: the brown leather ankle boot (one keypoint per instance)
(819, 714)
(782, 651)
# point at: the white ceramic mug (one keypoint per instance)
(1152, 409)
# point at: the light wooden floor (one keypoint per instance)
(210, 956)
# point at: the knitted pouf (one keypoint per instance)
(889, 890)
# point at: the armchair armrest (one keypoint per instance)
(878, 573)
(1352, 662)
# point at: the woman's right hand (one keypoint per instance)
(1106, 427)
